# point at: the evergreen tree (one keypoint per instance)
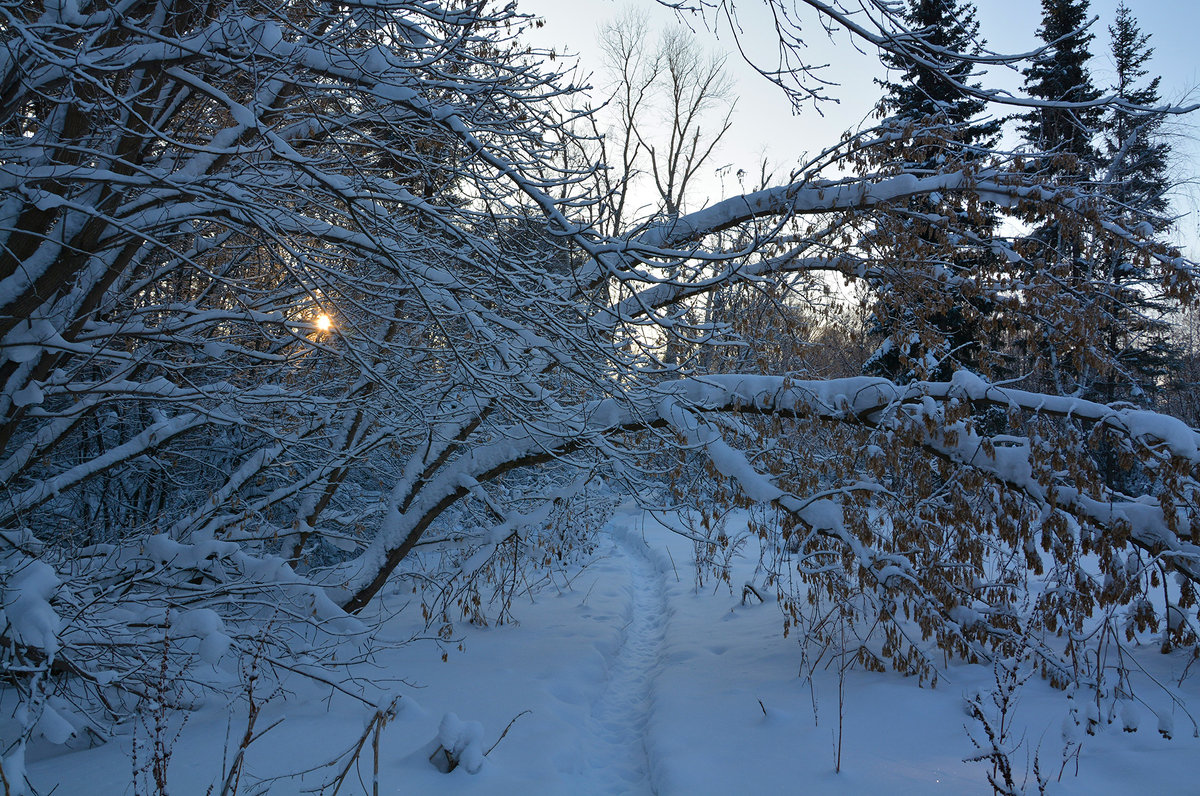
(1060, 134)
(1135, 181)
(1137, 155)
(1060, 75)
(938, 119)
(928, 90)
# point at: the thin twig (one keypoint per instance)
(506, 729)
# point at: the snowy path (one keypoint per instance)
(633, 682)
(621, 715)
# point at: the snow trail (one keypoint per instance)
(621, 715)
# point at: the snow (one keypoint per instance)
(1010, 458)
(53, 727)
(463, 740)
(804, 197)
(822, 515)
(1166, 725)
(206, 625)
(637, 682)
(732, 464)
(25, 610)
(14, 771)
(31, 395)
(1129, 716)
(27, 340)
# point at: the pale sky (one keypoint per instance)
(763, 122)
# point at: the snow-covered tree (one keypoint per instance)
(1133, 141)
(290, 292)
(1134, 172)
(924, 89)
(261, 265)
(1067, 123)
(1120, 342)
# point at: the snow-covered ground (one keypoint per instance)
(627, 681)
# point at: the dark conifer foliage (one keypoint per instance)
(1136, 180)
(1137, 153)
(1061, 77)
(928, 93)
(923, 90)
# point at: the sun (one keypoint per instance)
(324, 323)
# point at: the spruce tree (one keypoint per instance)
(1061, 137)
(1060, 75)
(938, 119)
(926, 91)
(1136, 153)
(1135, 181)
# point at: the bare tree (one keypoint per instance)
(673, 104)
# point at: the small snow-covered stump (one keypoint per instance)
(1166, 725)
(459, 743)
(1129, 716)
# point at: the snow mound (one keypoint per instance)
(460, 743)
